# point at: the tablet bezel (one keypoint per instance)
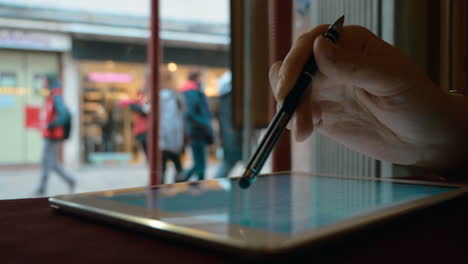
(243, 238)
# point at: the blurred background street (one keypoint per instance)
(91, 57)
(23, 183)
(84, 65)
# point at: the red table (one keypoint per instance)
(32, 232)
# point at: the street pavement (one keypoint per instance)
(16, 184)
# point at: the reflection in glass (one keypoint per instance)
(273, 204)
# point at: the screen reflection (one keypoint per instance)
(282, 203)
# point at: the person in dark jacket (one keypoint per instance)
(55, 127)
(198, 124)
(230, 137)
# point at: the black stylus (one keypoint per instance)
(282, 117)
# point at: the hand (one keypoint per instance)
(371, 97)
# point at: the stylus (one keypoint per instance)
(282, 117)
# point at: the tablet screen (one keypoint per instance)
(280, 203)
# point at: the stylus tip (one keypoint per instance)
(244, 183)
(338, 25)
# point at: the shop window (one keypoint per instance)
(8, 79)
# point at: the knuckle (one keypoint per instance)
(274, 69)
(303, 39)
(309, 37)
(351, 72)
(359, 29)
(323, 27)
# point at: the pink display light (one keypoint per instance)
(110, 77)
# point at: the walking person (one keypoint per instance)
(198, 124)
(140, 109)
(171, 127)
(55, 127)
(231, 139)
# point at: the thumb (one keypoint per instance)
(377, 75)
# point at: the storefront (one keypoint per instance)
(106, 126)
(114, 71)
(24, 57)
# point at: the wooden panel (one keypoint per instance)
(453, 46)
(280, 21)
(250, 63)
(237, 53)
(459, 46)
(433, 40)
(154, 62)
(445, 22)
(411, 30)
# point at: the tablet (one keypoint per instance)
(278, 212)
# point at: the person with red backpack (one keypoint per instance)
(55, 125)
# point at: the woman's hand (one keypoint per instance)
(371, 97)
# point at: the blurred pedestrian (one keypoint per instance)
(140, 109)
(100, 118)
(171, 126)
(231, 140)
(55, 127)
(107, 127)
(198, 124)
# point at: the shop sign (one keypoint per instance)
(110, 77)
(32, 120)
(31, 40)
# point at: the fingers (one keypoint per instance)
(378, 75)
(301, 123)
(295, 60)
(274, 78)
(283, 75)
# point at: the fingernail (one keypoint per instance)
(329, 49)
(278, 85)
(291, 123)
(278, 106)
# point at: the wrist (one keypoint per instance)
(448, 146)
(453, 174)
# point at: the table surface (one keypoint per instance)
(31, 230)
